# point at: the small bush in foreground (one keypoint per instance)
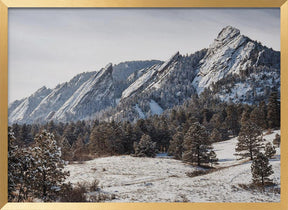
(268, 187)
(73, 194)
(197, 173)
(101, 197)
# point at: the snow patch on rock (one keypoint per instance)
(155, 108)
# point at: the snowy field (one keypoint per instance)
(163, 179)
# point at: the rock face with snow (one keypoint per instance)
(152, 77)
(20, 110)
(46, 108)
(95, 94)
(80, 98)
(84, 95)
(233, 68)
(230, 53)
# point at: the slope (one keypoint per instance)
(164, 180)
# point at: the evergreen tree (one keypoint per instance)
(161, 134)
(117, 138)
(245, 115)
(176, 145)
(25, 136)
(216, 120)
(16, 133)
(12, 165)
(19, 170)
(269, 150)
(263, 110)
(78, 149)
(197, 145)
(47, 170)
(66, 152)
(96, 141)
(25, 174)
(232, 119)
(258, 117)
(261, 169)
(128, 138)
(69, 133)
(107, 138)
(145, 148)
(277, 140)
(249, 140)
(273, 111)
(215, 136)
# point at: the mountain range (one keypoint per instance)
(233, 68)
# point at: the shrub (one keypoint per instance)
(197, 173)
(73, 194)
(94, 186)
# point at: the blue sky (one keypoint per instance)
(50, 46)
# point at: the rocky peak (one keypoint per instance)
(228, 33)
(108, 68)
(168, 62)
(227, 36)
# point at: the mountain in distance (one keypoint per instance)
(233, 69)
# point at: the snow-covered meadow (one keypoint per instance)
(162, 179)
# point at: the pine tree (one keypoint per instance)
(12, 165)
(145, 148)
(269, 150)
(249, 140)
(25, 136)
(47, 168)
(215, 136)
(216, 121)
(117, 138)
(263, 110)
(69, 133)
(197, 145)
(77, 149)
(128, 138)
(176, 145)
(258, 117)
(277, 140)
(25, 175)
(66, 152)
(19, 168)
(261, 169)
(245, 114)
(273, 111)
(232, 119)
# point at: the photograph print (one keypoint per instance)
(144, 105)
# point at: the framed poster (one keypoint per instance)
(143, 104)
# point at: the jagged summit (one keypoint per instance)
(152, 77)
(227, 33)
(109, 67)
(228, 54)
(41, 92)
(41, 89)
(228, 36)
(169, 61)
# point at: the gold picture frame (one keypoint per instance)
(4, 7)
